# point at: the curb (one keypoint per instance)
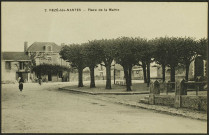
(157, 110)
(104, 93)
(77, 91)
(165, 112)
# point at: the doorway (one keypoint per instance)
(49, 77)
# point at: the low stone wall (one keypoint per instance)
(180, 99)
(190, 102)
(204, 102)
(194, 102)
(167, 100)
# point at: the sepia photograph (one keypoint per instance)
(104, 67)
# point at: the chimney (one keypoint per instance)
(25, 46)
(62, 45)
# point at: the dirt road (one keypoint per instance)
(44, 109)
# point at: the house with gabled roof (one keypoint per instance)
(47, 53)
(15, 65)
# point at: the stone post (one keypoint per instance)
(151, 94)
(165, 87)
(156, 89)
(168, 86)
(183, 88)
(177, 102)
(201, 86)
(197, 88)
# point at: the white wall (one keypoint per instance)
(8, 75)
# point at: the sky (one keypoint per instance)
(35, 22)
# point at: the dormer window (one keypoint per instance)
(48, 48)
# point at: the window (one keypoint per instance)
(21, 65)
(44, 48)
(101, 73)
(49, 48)
(8, 65)
(49, 58)
(60, 74)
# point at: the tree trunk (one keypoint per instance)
(163, 72)
(80, 77)
(144, 72)
(130, 75)
(128, 86)
(173, 76)
(148, 74)
(206, 70)
(187, 71)
(108, 76)
(92, 83)
(114, 74)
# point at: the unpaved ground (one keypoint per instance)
(44, 109)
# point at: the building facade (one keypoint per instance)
(47, 53)
(15, 65)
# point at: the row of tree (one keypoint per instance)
(166, 51)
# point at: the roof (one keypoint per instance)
(137, 69)
(15, 56)
(39, 47)
(117, 67)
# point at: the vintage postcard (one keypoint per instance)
(104, 67)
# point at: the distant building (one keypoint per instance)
(100, 73)
(15, 65)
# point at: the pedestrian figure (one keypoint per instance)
(21, 81)
(39, 80)
(18, 80)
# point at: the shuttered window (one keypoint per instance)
(8, 65)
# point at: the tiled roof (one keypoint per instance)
(16, 56)
(39, 46)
